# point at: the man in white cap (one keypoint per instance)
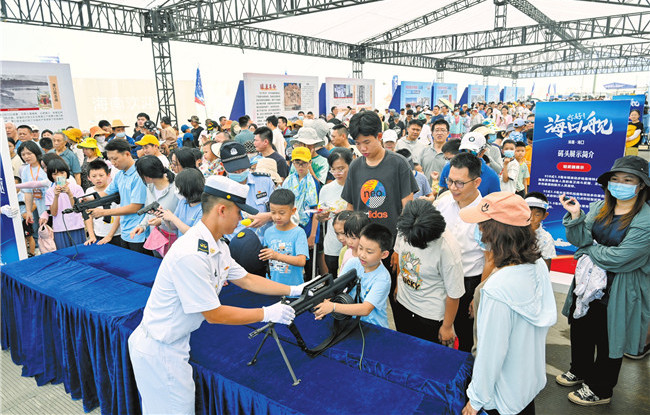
(389, 139)
(186, 292)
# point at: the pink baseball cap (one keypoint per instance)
(504, 207)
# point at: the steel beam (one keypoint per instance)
(210, 14)
(534, 13)
(500, 14)
(631, 24)
(91, 15)
(638, 3)
(422, 21)
(586, 68)
(162, 62)
(549, 54)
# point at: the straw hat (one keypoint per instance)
(269, 166)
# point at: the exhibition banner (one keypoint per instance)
(637, 101)
(475, 93)
(415, 93)
(444, 91)
(350, 92)
(37, 93)
(492, 93)
(267, 95)
(12, 239)
(509, 93)
(575, 142)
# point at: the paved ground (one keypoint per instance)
(19, 395)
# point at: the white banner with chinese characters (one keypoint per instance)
(574, 143)
(37, 93)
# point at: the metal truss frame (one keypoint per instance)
(631, 24)
(565, 49)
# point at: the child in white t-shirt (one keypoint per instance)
(107, 229)
(538, 204)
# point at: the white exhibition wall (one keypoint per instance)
(113, 75)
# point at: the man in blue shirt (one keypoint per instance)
(475, 144)
(133, 194)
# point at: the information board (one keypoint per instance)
(37, 93)
(266, 95)
(349, 92)
(575, 142)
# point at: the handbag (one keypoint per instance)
(160, 241)
(46, 239)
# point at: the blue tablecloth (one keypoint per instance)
(68, 320)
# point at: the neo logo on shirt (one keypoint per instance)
(373, 193)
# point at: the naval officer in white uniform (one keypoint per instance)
(185, 293)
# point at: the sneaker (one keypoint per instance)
(568, 379)
(585, 397)
(644, 353)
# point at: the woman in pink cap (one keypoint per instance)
(517, 308)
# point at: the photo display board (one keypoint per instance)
(286, 95)
(37, 93)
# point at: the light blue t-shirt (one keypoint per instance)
(189, 215)
(292, 242)
(132, 190)
(375, 287)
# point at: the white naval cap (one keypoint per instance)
(229, 189)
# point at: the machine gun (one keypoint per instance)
(322, 288)
(149, 207)
(83, 206)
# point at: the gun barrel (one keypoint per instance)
(260, 330)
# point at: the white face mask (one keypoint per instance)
(100, 138)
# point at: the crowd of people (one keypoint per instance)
(431, 207)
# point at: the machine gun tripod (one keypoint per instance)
(325, 287)
(270, 330)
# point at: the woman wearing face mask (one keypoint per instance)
(614, 237)
(189, 188)
(100, 136)
(331, 203)
(160, 188)
(514, 312)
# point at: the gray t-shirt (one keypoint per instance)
(427, 276)
(379, 189)
(432, 161)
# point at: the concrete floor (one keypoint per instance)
(19, 395)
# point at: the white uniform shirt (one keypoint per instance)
(188, 283)
(472, 256)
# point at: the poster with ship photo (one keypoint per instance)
(37, 93)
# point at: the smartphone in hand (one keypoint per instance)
(568, 199)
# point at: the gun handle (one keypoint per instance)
(85, 215)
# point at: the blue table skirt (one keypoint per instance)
(68, 321)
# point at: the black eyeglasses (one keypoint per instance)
(459, 184)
